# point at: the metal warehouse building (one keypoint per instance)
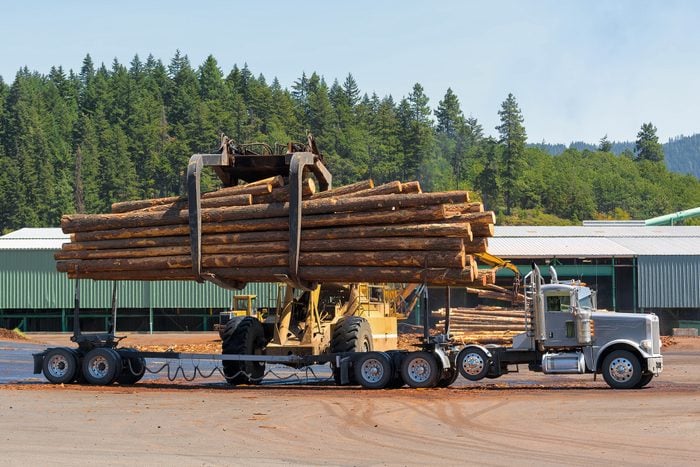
(632, 267)
(34, 297)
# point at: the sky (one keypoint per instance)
(578, 69)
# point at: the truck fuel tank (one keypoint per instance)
(564, 363)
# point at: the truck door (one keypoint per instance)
(559, 320)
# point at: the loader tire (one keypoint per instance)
(351, 334)
(247, 338)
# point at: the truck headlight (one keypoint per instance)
(646, 345)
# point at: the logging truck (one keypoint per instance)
(566, 334)
(148, 240)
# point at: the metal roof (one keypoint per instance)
(557, 247)
(596, 231)
(594, 241)
(34, 239)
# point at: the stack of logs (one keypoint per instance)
(483, 324)
(356, 233)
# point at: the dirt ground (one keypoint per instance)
(525, 418)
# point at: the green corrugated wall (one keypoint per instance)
(28, 280)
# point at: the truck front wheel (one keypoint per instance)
(473, 363)
(622, 370)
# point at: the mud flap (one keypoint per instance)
(38, 362)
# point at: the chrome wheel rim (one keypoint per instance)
(372, 370)
(58, 366)
(419, 370)
(98, 367)
(621, 370)
(473, 364)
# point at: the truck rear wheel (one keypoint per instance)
(473, 363)
(248, 338)
(102, 366)
(60, 365)
(622, 370)
(420, 370)
(373, 370)
(449, 376)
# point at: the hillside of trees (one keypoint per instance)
(78, 141)
(682, 153)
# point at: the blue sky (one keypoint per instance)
(579, 70)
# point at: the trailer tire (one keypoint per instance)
(247, 338)
(420, 370)
(373, 370)
(622, 370)
(60, 365)
(473, 363)
(133, 367)
(102, 366)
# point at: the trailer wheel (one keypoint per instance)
(248, 338)
(102, 366)
(133, 366)
(473, 363)
(373, 370)
(622, 370)
(60, 365)
(449, 376)
(420, 370)
(646, 379)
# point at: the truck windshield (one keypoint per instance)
(558, 303)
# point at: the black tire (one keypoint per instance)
(229, 327)
(247, 338)
(373, 370)
(78, 378)
(473, 363)
(101, 366)
(420, 370)
(60, 365)
(646, 379)
(449, 376)
(622, 370)
(396, 357)
(133, 367)
(351, 334)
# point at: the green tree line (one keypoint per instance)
(79, 141)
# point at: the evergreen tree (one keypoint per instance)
(647, 146)
(605, 144)
(512, 137)
(488, 182)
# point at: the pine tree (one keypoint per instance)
(647, 146)
(605, 144)
(512, 137)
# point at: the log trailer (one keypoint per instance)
(352, 327)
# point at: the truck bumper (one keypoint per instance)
(655, 365)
